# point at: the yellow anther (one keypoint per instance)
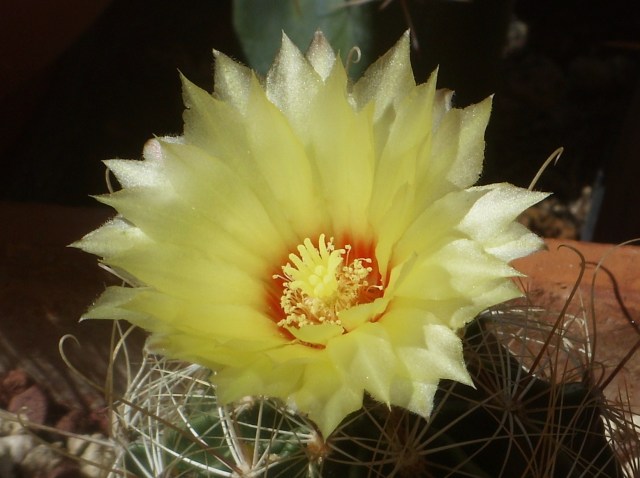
(318, 285)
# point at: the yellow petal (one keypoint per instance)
(291, 84)
(386, 81)
(441, 357)
(231, 81)
(467, 165)
(114, 237)
(320, 55)
(503, 203)
(318, 334)
(367, 358)
(190, 274)
(436, 225)
(326, 395)
(415, 396)
(287, 173)
(220, 322)
(215, 126)
(394, 204)
(341, 150)
(356, 316)
(110, 305)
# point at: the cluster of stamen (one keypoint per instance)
(320, 282)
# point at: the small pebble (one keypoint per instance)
(9, 427)
(76, 445)
(14, 448)
(40, 461)
(101, 455)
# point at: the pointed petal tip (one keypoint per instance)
(320, 55)
(319, 35)
(284, 39)
(404, 42)
(75, 244)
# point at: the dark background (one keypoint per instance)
(81, 83)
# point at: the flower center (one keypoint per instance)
(320, 282)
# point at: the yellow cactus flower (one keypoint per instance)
(311, 239)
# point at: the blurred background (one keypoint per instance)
(81, 82)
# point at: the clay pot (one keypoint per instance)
(607, 296)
